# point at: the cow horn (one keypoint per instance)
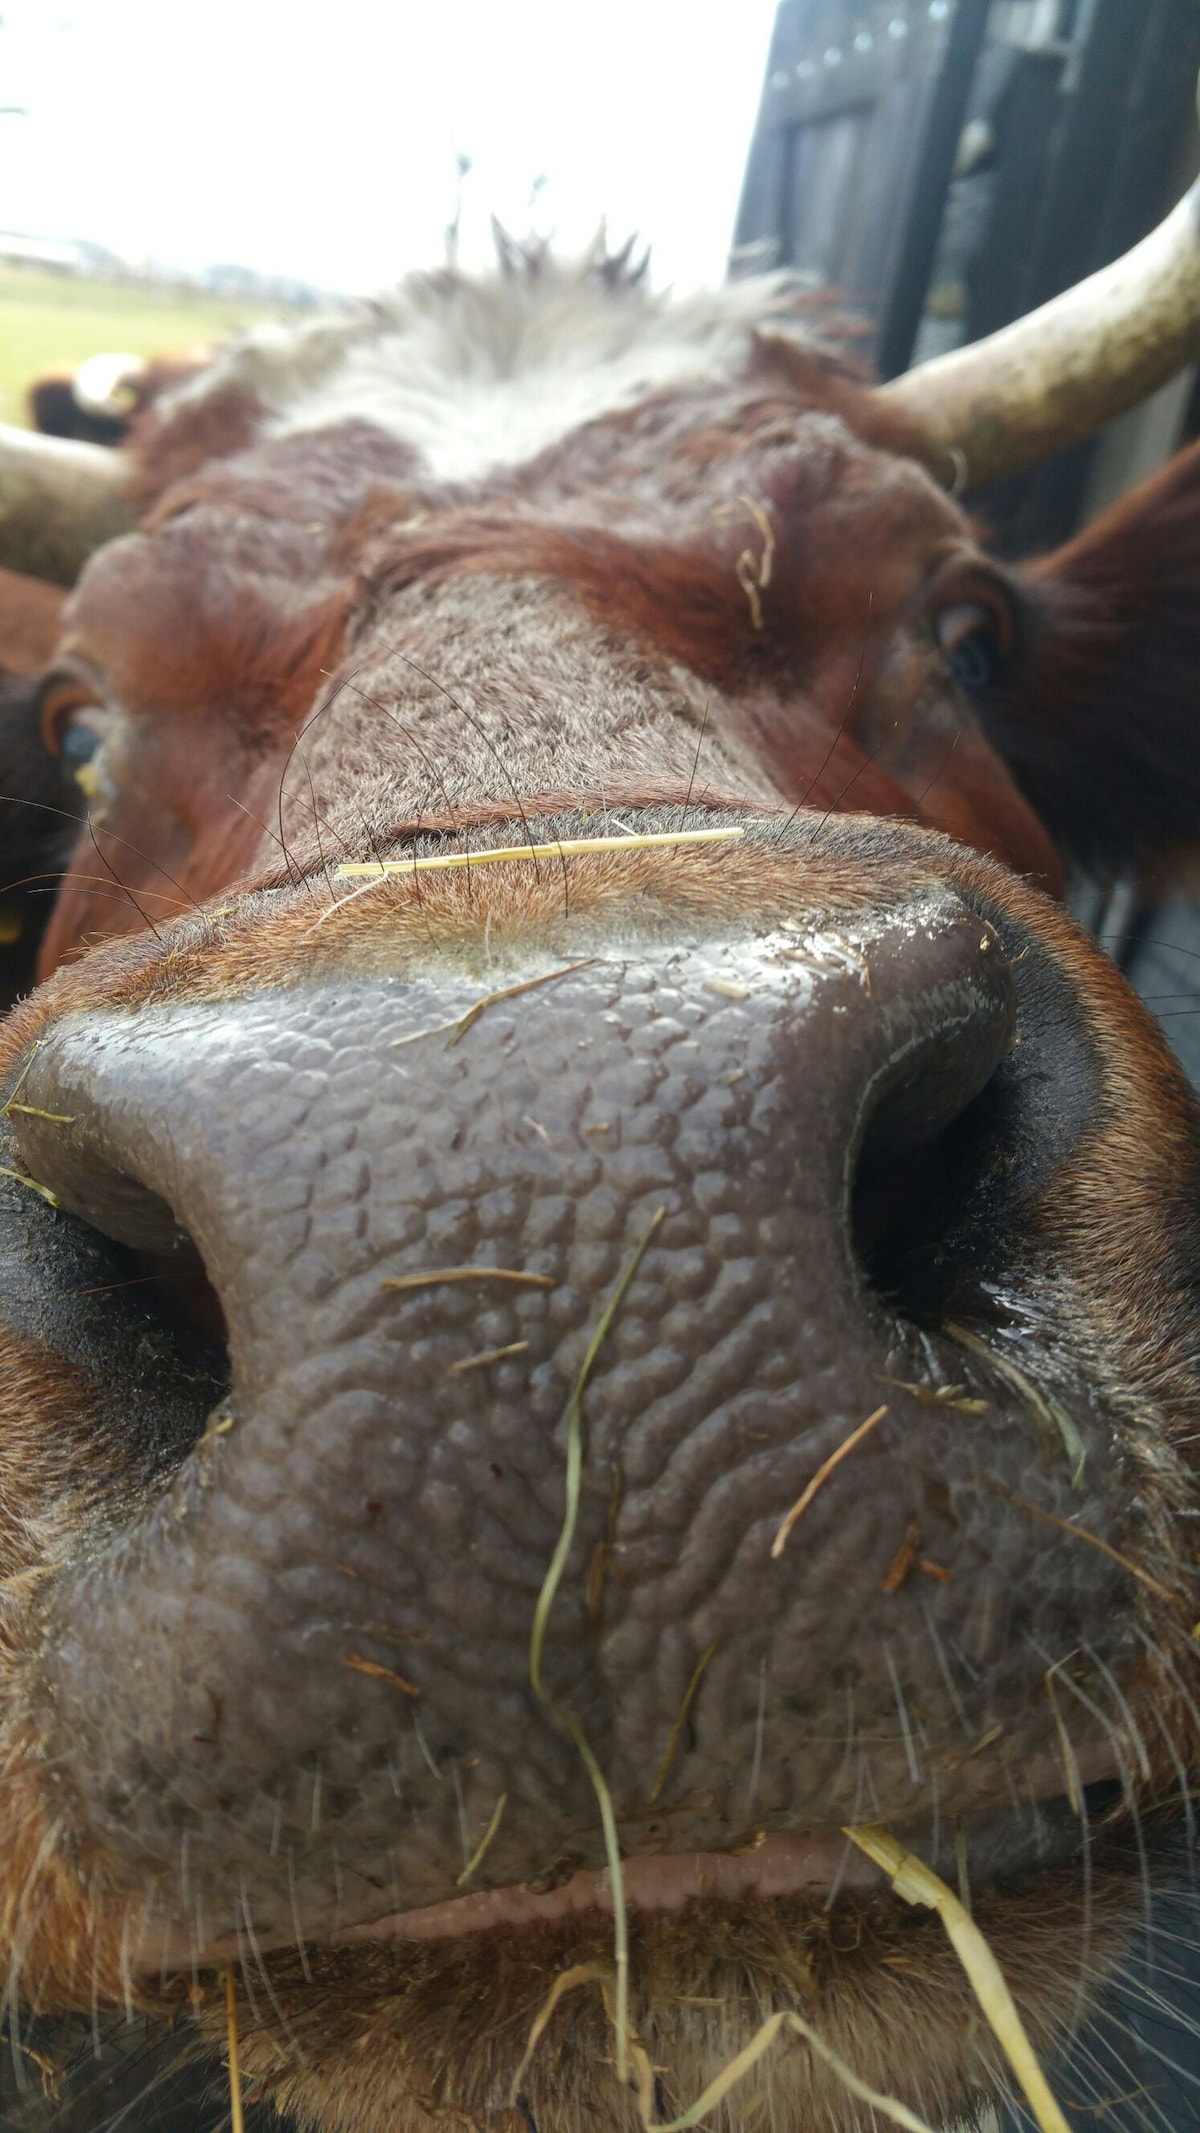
(1004, 403)
(58, 501)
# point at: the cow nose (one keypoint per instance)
(278, 1149)
(413, 1196)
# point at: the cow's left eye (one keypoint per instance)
(969, 635)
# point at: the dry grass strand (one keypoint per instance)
(546, 1598)
(917, 1883)
(555, 848)
(236, 2121)
(689, 1697)
(434, 1277)
(821, 1477)
(376, 1672)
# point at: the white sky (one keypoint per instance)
(320, 140)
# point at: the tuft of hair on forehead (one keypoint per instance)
(481, 373)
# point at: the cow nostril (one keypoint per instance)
(135, 1253)
(177, 1292)
(925, 1172)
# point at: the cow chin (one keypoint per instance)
(390, 2038)
(660, 1341)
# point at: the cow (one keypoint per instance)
(99, 400)
(601, 1290)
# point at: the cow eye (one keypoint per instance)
(969, 635)
(972, 615)
(75, 727)
(79, 740)
(80, 734)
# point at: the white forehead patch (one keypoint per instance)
(482, 375)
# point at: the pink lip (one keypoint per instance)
(781, 1865)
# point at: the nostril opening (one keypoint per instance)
(147, 1280)
(911, 1201)
(175, 1290)
(932, 1157)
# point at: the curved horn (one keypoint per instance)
(58, 501)
(1002, 404)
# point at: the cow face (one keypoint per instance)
(541, 1388)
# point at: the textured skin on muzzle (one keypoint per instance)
(380, 1496)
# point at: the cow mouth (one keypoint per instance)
(822, 1866)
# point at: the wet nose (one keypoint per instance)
(310, 1177)
(412, 1198)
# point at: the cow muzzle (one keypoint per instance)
(303, 1662)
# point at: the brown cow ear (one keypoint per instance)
(1097, 710)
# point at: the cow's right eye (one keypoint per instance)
(80, 735)
(75, 725)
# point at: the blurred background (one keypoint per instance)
(170, 170)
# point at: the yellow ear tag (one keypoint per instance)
(12, 926)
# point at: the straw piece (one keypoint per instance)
(236, 2120)
(906, 1558)
(546, 1598)
(477, 1855)
(938, 1395)
(486, 1355)
(433, 1277)
(680, 1721)
(821, 1476)
(1070, 1766)
(1068, 1525)
(43, 1191)
(557, 848)
(918, 1884)
(718, 2089)
(513, 992)
(1049, 1411)
(380, 1673)
(21, 1079)
(567, 1981)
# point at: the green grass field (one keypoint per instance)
(51, 321)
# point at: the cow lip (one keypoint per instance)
(779, 1863)
(820, 1867)
(823, 1865)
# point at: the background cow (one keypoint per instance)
(99, 401)
(653, 1350)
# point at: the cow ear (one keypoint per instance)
(1097, 711)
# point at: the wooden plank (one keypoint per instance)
(923, 220)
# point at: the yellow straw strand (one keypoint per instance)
(918, 1884)
(236, 2120)
(557, 848)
